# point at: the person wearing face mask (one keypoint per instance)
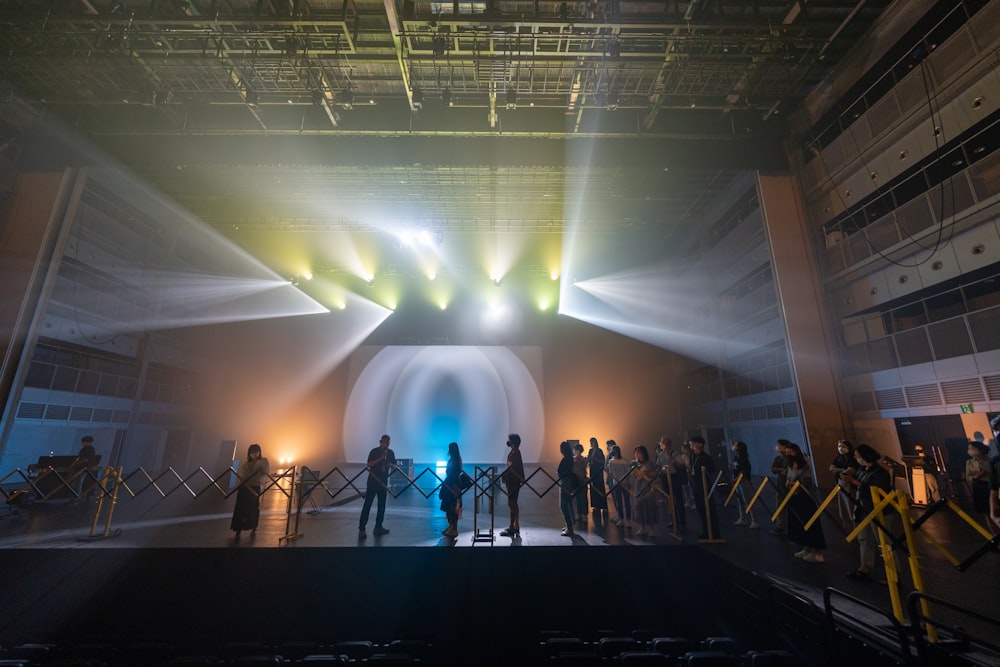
(844, 463)
(869, 474)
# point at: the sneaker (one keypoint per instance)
(362, 534)
(754, 524)
(740, 522)
(451, 532)
(640, 532)
(801, 554)
(567, 532)
(379, 530)
(814, 558)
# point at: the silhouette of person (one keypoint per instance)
(381, 461)
(513, 478)
(251, 474)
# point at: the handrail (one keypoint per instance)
(921, 624)
(831, 612)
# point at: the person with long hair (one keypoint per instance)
(617, 469)
(802, 506)
(451, 490)
(251, 474)
(598, 492)
(740, 465)
(567, 484)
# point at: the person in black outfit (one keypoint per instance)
(451, 490)
(85, 459)
(700, 461)
(513, 478)
(380, 461)
(869, 474)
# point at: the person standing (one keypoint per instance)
(779, 468)
(567, 484)
(85, 459)
(381, 461)
(580, 470)
(869, 475)
(741, 466)
(451, 490)
(679, 462)
(977, 476)
(513, 478)
(802, 506)
(701, 461)
(251, 475)
(645, 476)
(617, 470)
(598, 492)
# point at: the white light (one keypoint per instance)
(425, 237)
(431, 275)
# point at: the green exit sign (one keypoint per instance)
(967, 408)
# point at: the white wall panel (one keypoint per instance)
(902, 280)
(885, 379)
(918, 374)
(977, 247)
(942, 266)
(956, 367)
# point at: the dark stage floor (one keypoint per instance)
(182, 522)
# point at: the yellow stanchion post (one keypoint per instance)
(784, 501)
(819, 510)
(903, 506)
(115, 477)
(968, 519)
(756, 495)
(885, 544)
(672, 504)
(290, 532)
(879, 506)
(732, 492)
(707, 498)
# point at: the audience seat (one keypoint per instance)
(610, 647)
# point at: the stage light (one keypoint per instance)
(543, 305)
(425, 237)
(431, 275)
(554, 275)
(443, 305)
(308, 276)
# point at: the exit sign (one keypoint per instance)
(967, 408)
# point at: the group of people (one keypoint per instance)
(643, 488)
